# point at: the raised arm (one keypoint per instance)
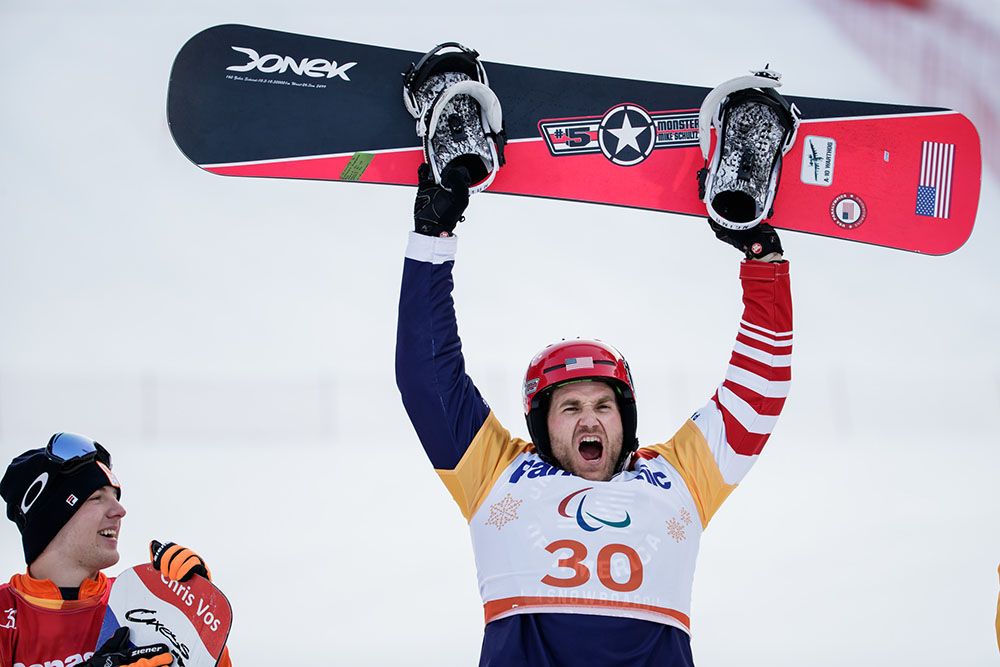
(718, 445)
(441, 400)
(463, 439)
(742, 413)
(444, 405)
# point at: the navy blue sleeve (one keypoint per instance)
(441, 400)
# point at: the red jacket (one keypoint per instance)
(38, 627)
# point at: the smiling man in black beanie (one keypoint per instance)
(64, 499)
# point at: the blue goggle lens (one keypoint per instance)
(69, 446)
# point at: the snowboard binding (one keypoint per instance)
(755, 127)
(458, 117)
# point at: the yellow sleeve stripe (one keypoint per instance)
(689, 453)
(490, 453)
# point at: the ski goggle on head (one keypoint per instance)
(71, 451)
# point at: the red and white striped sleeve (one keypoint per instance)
(740, 417)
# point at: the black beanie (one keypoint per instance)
(41, 498)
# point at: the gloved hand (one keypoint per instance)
(438, 209)
(756, 242)
(116, 653)
(177, 562)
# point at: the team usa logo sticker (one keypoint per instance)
(848, 210)
(626, 134)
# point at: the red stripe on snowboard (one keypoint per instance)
(877, 167)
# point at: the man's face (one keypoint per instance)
(585, 429)
(90, 538)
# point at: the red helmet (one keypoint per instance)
(572, 360)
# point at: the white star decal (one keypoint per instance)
(627, 135)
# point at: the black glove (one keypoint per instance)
(438, 209)
(755, 242)
(177, 562)
(116, 653)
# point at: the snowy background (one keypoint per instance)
(231, 340)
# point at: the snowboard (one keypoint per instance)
(245, 101)
(192, 618)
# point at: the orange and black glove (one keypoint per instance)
(116, 653)
(177, 562)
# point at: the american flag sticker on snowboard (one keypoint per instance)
(934, 188)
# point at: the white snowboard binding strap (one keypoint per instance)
(755, 127)
(458, 116)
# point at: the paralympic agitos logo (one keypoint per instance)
(581, 514)
(272, 63)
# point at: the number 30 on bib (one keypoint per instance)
(581, 573)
